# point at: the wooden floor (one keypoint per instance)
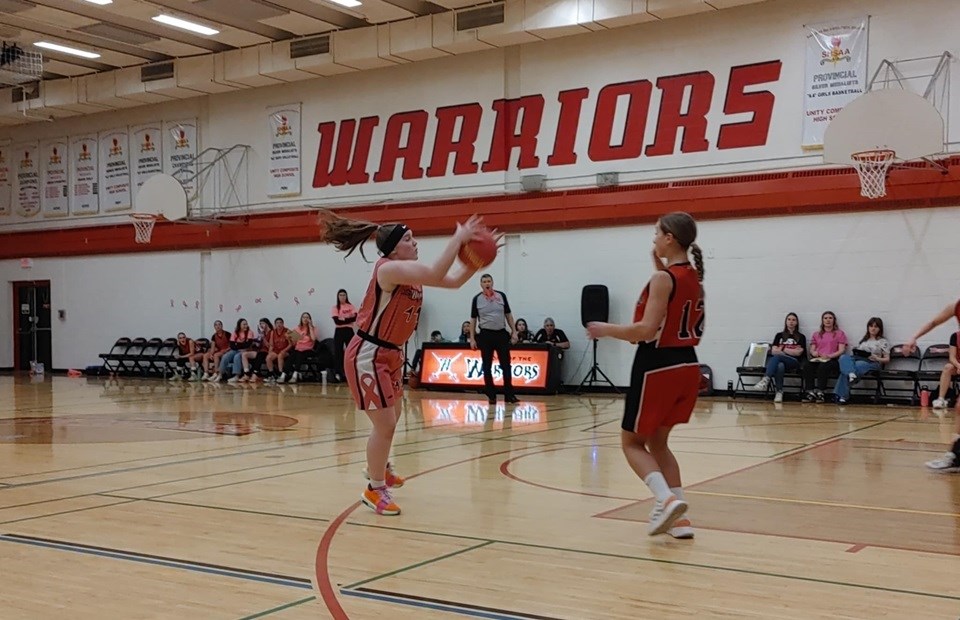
(147, 499)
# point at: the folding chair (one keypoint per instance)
(897, 380)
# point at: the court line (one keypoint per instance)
(65, 512)
(142, 558)
(359, 434)
(464, 609)
(274, 610)
(413, 566)
(830, 504)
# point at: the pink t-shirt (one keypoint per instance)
(306, 342)
(343, 313)
(828, 343)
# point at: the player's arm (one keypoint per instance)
(656, 309)
(942, 317)
(395, 273)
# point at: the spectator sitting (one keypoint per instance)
(465, 333)
(828, 344)
(307, 333)
(551, 335)
(786, 354)
(872, 352)
(257, 354)
(946, 375)
(233, 365)
(187, 358)
(523, 332)
(436, 336)
(219, 345)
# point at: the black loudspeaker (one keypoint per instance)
(594, 304)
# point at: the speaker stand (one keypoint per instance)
(407, 364)
(591, 376)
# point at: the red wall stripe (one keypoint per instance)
(753, 195)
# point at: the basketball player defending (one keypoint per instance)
(388, 316)
(668, 324)
(950, 461)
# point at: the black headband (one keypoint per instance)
(390, 243)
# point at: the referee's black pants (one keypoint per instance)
(490, 341)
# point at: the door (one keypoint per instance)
(32, 324)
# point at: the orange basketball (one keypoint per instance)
(479, 252)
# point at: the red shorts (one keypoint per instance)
(664, 385)
(374, 374)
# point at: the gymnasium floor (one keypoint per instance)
(146, 499)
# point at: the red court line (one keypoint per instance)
(856, 548)
(327, 592)
(505, 470)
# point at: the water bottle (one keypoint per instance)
(730, 388)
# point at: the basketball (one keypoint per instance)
(479, 252)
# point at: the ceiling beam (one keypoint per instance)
(189, 8)
(81, 38)
(93, 11)
(323, 13)
(418, 7)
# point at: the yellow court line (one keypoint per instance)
(832, 504)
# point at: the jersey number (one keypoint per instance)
(686, 318)
(413, 314)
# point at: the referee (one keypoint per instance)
(489, 318)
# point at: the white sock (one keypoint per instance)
(678, 493)
(378, 484)
(658, 485)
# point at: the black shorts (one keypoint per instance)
(664, 384)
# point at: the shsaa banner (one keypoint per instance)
(285, 159)
(146, 146)
(28, 180)
(84, 176)
(180, 152)
(115, 170)
(6, 184)
(54, 200)
(836, 73)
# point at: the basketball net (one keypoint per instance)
(872, 167)
(143, 226)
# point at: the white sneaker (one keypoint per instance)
(778, 397)
(762, 384)
(947, 464)
(664, 514)
(283, 378)
(852, 376)
(294, 377)
(940, 403)
(681, 529)
(206, 377)
(233, 379)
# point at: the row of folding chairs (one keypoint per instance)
(901, 379)
(144, 357)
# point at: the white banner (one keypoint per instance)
(146, 144)
(53, 176)
(28, 180)
(180, 151)
(836, 73)
(84, 176)
(283, 178)
(6, 183)
(115, 170)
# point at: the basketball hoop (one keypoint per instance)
(143, 226)
(872, 168)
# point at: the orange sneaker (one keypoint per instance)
(380, 501)
(393, 480)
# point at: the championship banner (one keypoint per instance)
(835, 74)
(28, 180)
(54, 200)
(6, 185)
(284, 173)
(84, 176)
(147, 154)
(115, 170)
(461, 367)
(180, 152)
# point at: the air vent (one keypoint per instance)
(26, 92)
(489, 15)
(159, 71)
(310, 47)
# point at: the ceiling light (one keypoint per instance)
(183, 24)
(100, 1)
(66, 50)
(347, 3)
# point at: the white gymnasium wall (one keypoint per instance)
(896, 265)
(709, 41)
